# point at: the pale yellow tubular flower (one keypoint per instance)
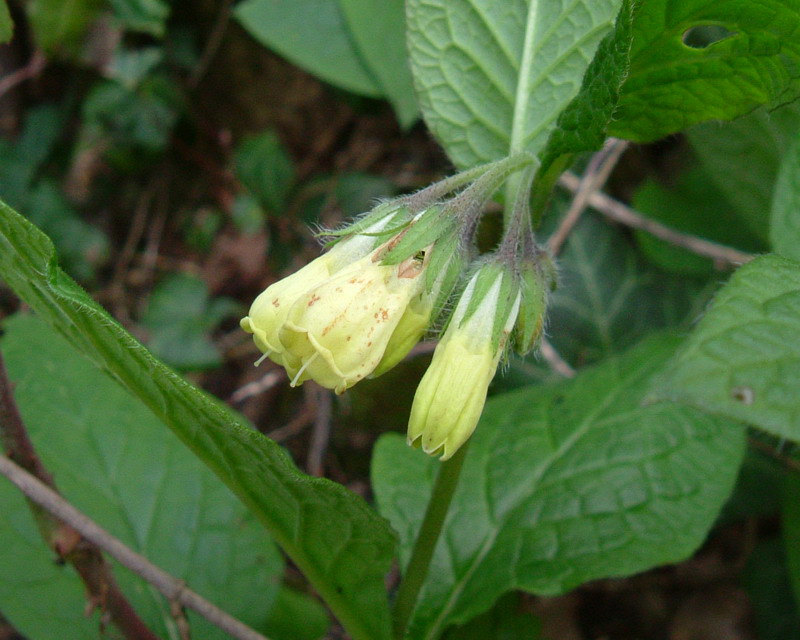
(450, 397)
(271, 308)
(412, 326)
(340, 329)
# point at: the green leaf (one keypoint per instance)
(6, 23)
(313, 35)
(378, 28)
(673, 85)
(264, 167)
(114, 460)
(784, 228)
(296, 616)
(147, 16)
(583, 124)
(40, 597)
(690, 203)
(562, 484)
(340, 544)
(179, 318)
(742, 159)
(743, 358)
(493, 80)
(505, 621)
(607, 299)
(59, 26)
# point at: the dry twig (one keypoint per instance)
(34, 67)
(623, 214)
(597, 172)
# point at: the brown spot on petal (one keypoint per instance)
(349, 338)
(276, 303)
(314, 298)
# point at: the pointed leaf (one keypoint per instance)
(378, 28)
(313, 35)
(341, 545)
(562, 484)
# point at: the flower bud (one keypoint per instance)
(450, 397)
(536, 281)
(270, 309)
(340, 329)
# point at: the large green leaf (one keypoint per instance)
(59, 26)
(6, 23)
(784, 229)
(341, 545)
(115, 461)
(562, 484)
(378, 28)
(742, 158)
(607, 299)
(672, 85)
(313, 35)
(493, 78)
(743, 358)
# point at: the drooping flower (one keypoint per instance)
(450, 397)
(339, 330)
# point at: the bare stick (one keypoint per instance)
(597, 172)
(264, 383)
(172, 588)
(554, 359)
(87, 559)
(34, 67)
(623, 214)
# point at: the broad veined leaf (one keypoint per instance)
(6, 23)
(743, 358)
(493, 77)
(342, 546)
(607, 299)
(784, 229)
(743, 157)
(115, 461)
(313, 35)
(562, 484)
(378, 28)
(754, 60)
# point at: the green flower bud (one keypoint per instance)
(537, 279)
(450, 397)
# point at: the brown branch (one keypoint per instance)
(623, 214)
(34, 67)
(596, 175)
(172, 588)
(554, 359)
(87, 559)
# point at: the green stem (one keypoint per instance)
(417, 570)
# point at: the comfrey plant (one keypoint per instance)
(615, 456)
(388, 279)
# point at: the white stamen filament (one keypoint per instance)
(303, 368)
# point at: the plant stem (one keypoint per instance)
(428, 536)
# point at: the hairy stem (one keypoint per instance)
(418, 566)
